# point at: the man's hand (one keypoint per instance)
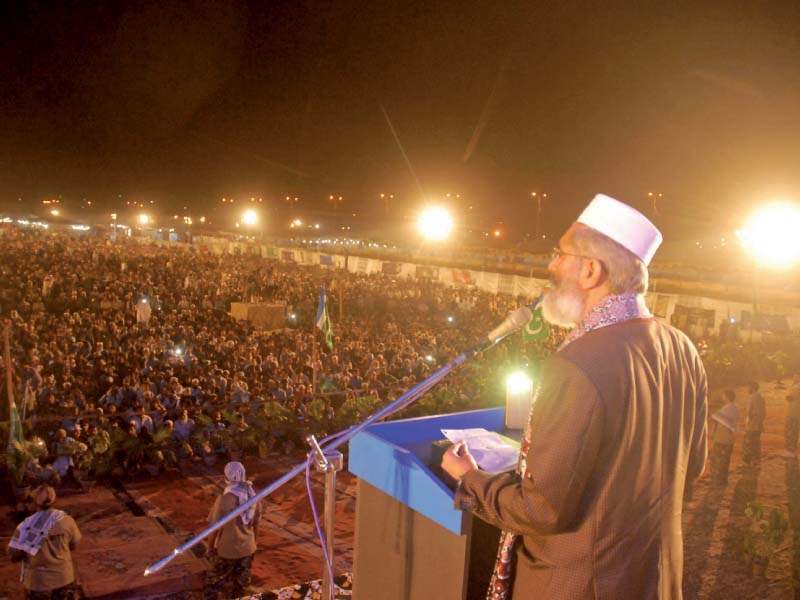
(457, 460)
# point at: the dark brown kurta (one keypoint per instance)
(618, 428)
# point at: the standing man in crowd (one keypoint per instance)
(725, 424)
(232, 547)
(792, 418)
(43, 543)
(617, 430)
(756, 412)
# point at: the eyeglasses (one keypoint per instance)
(558, 253)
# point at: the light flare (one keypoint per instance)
(435, 223)
(771, 235)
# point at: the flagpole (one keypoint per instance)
(341, 303)
(314, 358)
(9, 377)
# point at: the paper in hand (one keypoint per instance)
(491, 452)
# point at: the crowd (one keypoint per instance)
(125, 356)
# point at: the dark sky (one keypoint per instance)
(187, 102)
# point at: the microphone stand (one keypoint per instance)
(337, 440)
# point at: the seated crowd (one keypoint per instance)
(125, 356)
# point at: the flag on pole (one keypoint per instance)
(15, 437)
(14, 422)
(537, 329)
(323, 319)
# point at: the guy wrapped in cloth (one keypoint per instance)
(234, 544)
(43, 543)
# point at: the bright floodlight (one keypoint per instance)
(518, 383)
(249, 217)
(771, 237)
(519, 389)
(435, 223)
(144, 219)
(55, 212)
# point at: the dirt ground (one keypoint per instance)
(713, 522)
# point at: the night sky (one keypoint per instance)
(187, 102)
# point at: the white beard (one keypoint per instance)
(562, 306)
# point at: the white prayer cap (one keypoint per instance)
(234, 471)
(623, 224)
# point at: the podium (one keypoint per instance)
(410, 542)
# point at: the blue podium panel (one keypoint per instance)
(394, 458)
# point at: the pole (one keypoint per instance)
(7, 360)
(328, 463)
(341, 302)
(755, 301)
(9, 379)
(314, 358)
(328, 585)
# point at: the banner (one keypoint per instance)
(390, 268)
(506, 284)
(462, 276)
(426, 272)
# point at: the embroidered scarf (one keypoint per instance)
(237, 485)
(33, 531)
(611, 310)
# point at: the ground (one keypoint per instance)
(129, 526)
(714, 520)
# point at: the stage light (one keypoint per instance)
(519, 389)
(770, 235)
(435, 223)
(518, 382)
(249, 217)
(55, 212)
(144, 219)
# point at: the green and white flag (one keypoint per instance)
(537, 329)
(323, 319)
(14, 427)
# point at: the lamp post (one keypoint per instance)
(538, 197)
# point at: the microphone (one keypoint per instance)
(515, 321)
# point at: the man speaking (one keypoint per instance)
(616, 431)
